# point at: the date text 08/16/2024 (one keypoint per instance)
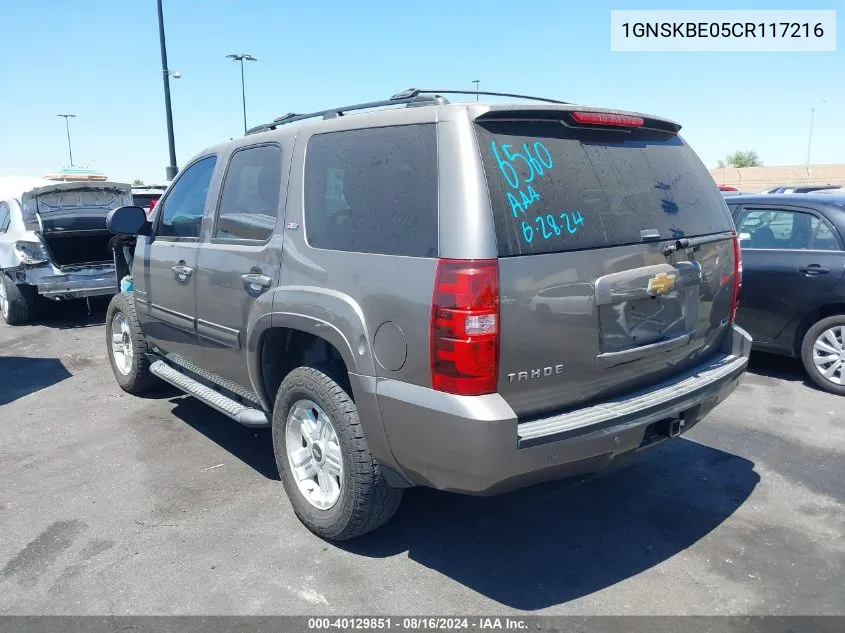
(538, 160)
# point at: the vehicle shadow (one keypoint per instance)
(549, 544)
(781, 368)
(165, 391)
(556, 542)
(776, 366)
(22, 375)
(254, 447)
(74, 314)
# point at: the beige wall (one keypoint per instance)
(756, 178)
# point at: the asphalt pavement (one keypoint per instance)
(113, 504)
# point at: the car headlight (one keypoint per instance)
(31, 253)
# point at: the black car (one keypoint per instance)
(793, 292)
(800, 189)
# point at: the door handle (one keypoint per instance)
(813, 270)
(256, 282)
(182, 272)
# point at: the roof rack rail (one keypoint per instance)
(409, 100)
(414, 92)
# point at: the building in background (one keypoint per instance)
(76, 174)
(754, 179)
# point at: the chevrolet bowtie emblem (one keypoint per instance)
(661, 283)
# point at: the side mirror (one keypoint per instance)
(128, 221)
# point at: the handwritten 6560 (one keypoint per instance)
(536, 159)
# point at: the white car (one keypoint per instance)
(146, 196)
(571, 299)
(54, 243)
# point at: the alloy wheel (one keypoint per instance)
(314, 454)
(121, 344)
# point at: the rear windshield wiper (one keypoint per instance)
(690, 242)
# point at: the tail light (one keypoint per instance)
(465, 327)
(608, 118)
(737, 277)
(31, 253)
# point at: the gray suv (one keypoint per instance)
(466, 296)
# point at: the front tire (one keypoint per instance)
(333, 482)
(126, 346)
(823, 354)
(17, 302)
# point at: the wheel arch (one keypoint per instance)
(821, 312)
(283, 348)
(298, 340)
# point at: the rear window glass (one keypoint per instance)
(557, 189)
(4, 218)
(373, 191)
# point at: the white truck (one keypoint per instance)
(54, 243)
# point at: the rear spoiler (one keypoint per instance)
(575, 116)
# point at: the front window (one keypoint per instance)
(183, 208)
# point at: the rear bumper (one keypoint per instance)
(74, 283)
(476, 445)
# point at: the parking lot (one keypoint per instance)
(112, 504)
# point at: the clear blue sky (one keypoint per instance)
(99, 59)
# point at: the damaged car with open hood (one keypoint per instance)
(54, 244)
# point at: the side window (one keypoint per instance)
(5, 217)
(249, 203)
(373, 191)
(777, 229)
(183, 208)
(825, 239)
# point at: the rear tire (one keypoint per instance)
(127, 357)
(17, 302)
(819, 349)
(362, 500)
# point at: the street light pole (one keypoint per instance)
(476, 82)
(67, 129)
(165, 75)
(810, 135)
(242, 57)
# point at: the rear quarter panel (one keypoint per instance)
(374, 308)
(14, 233)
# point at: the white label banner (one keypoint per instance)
(722, 30)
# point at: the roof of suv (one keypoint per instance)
(475, 109)
(418, 108)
